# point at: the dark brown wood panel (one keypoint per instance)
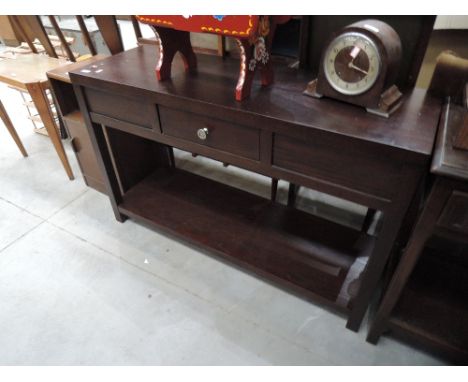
(222, 135)
(81, 144)
(127, 109)
(455, 214)
(433, 306)
(281, 107)
(133, 157)
(334, 159)
(266, 237)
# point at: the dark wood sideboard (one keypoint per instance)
(426, 301)
(69, 113)
(339, 149)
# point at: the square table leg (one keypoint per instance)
(422, 231)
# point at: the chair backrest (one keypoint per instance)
(450, 78)
(31, 28)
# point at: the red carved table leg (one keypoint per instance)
(173, 41)
(255, 56)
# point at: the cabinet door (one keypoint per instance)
(81, 144)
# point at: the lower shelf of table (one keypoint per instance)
(319, 259)
(433, 308)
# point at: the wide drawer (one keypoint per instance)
(334, 160)
(215, 133)
(455, 214)
(122, 108)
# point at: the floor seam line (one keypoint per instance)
(21, 236)
(66, 205)
(21, 208)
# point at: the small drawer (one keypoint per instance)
(122, 108)
(455, 214)
(215, 133)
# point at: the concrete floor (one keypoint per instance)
(79, 288)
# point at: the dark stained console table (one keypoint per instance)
(134, 121)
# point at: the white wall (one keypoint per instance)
(451, 22)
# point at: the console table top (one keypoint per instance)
(412, 128)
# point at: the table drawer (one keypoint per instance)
(455, 214)
(334, 160)
(122, 108)
(215, 133)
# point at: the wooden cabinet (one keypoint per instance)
(72, 118)
(332, 147)
(426, 300)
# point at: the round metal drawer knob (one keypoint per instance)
(202, 133)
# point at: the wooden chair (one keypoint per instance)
(27, 72)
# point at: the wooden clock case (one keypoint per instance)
(384, 96)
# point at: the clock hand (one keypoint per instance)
(352, 66)
(354, 52)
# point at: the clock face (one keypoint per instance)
(352, 63)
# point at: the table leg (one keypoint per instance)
(422, 231)
(292, 194)
(37, 91)
(368, 219)
(11, 129)
(392, 219)
(274, 189)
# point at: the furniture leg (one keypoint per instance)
(173, 41)
(274, 189)
(392, 220)
(170, 151)
(292, 194)
(422, 232)
(368, 219)
(247, 72)
(409, 222)
(249, 64)
(37, 91)
(11, 129)
(103, 157)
